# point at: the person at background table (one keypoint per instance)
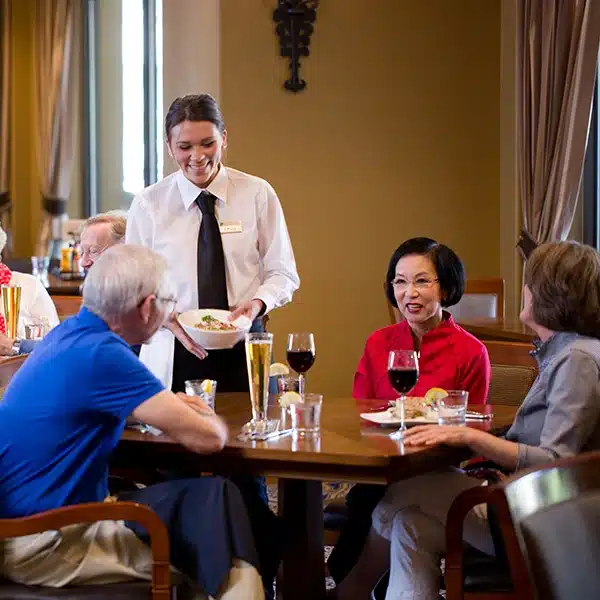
(55, 452)
(422, 279)
(36, 307)
(242, 261)
(559, 417)
(101, 232)
(105, 230)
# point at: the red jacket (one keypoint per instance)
(450, 358)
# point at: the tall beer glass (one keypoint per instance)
(11, 300)
(258, 359)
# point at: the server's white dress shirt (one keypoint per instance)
(259, 260)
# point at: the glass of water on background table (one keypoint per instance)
(452, 408)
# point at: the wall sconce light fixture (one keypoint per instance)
(295, 20)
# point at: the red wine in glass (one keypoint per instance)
(403, 380)
(301, 355)
(403, 373)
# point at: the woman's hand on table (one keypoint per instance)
(173, 325)
(433, 435)
(250, 309)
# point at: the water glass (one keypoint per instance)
(39, 266)
(34, 331)
(306, 415)
(205, 389)
(452, 409)
(286, 383)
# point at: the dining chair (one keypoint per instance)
(513, 371)
(482, 299)
(67, 306)
(547, 532)
(159, 589)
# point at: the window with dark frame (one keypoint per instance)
(141, 55)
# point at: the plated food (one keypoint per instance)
(209, 323)
(212, 329)
(414, 407)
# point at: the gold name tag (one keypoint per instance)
(230, 227)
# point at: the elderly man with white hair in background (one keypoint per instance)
(63, 414)
(102, 231)
(36, 306)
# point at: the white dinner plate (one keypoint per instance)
(387, 419)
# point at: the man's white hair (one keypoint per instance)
(122, 277)
(117, 220)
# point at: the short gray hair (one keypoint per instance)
(117, 220)
(122, 277)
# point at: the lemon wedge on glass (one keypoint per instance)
(277, 369)
(206, 386)
(289, 398)
(434, 394)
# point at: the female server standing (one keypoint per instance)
(224, 237)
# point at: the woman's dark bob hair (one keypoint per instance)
(449, 268)
(194, 107)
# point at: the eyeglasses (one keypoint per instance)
(170, 303)
(93, 252)
(421, 283)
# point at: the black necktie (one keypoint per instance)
(212, 284)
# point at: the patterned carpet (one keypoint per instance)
(332, 490)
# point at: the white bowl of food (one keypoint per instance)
(211, 328)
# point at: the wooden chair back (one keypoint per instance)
(483, 299)
(88, 513)
(554, 511)
(513, 371)
(67, 305)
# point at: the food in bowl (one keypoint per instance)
(209, 323)
(217, 332)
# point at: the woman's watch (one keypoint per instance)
(16, 346)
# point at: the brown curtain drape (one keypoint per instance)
(57, 32)
(557, 53)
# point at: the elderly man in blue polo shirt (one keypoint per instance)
(63, 414)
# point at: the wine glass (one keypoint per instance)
(403, 372)
(301, 355)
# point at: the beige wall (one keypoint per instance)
(24, 175)
(396, 135)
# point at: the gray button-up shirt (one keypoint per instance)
(561, 414)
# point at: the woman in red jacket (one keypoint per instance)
(423, 278)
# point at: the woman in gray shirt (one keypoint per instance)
(559, 417)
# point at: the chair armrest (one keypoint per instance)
(455, 545)
(103, 511)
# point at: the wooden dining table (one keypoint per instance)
(348, 449)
